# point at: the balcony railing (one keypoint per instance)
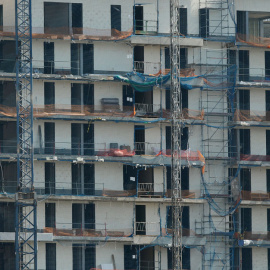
(147, 228)
(147, 148)
(255, 75)
(87, 230)
(146, 67)
(145, 27)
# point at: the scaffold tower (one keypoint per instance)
(25, 199)
(176, 101)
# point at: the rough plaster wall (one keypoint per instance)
(41, 255)
(63, 135)
(104, 254)
(257, 102)
(8, 14)
(112, 214)
(63, 214)
(108, 55)
(41, 215)
(257, 134)
(63, 178)
(195, 259)
(194, 143)
(38, 54)
(151, 59)
(39, 174)
(121, 133)
(152, 217)
(258, 179)
(62, 94)
(156, 99)
(109, 176)
(259, 261)
(259, 219)
(64, 250)
(62, 54)
(107, 90)
(38, 92)
(194, 181)
(262, 5)
(158, 179)
(164, 17)
(193, 16)
(194, 99)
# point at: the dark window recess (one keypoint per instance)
(82, 94)
(184, 175)
(8, 137)
(231, 62)
(243, 65)
(7, 256)
(50, 256)
(85, 52)
(129, 177)
(140, 220)
(139, 58)
(234, 258)
(7, 93)
(8, 177)
(182, 21)
(245, 182)
(184, 98)
(75, 59)
(1, 17)
(183, 58)
(7, 214)
(8, 56)
(267, 142)
(77, 19)
(84, 212)
(127, 97)
(147, 258)
(58, 17)
(50, 215)
(242, 21)
(185, 258)
(84, 257)
(184, 138)
(76, 139)
(246, 217)
(204, 22)
(268, 180)
(231, 176)
(139, 140)
(88, 137)
(244, 100)
(48, 58)
(49, 93)
(268, 257)
(49, 138)
(268, 219)
(88, 58)
(267, 65)
(232, 144)
(168, 58)
(168, 99)
(83, 179)
(185, 219)
(88, 95)
(244, 141)
(130, 257)
(49, 178)
(138, 10)
(247, 258)
(115, 18)
(144, 103)
(89, 179)
(267, 104)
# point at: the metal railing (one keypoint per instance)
(145, 26)
(146, 148)
(254, 74)
(146, 67)
(147, 228)
(147, 109)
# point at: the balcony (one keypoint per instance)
(146, 67)
(254, 77)
(145, 27)
(147, 228)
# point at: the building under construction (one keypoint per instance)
(103, 134)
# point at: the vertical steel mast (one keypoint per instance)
(26, 220)
(176, 109)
